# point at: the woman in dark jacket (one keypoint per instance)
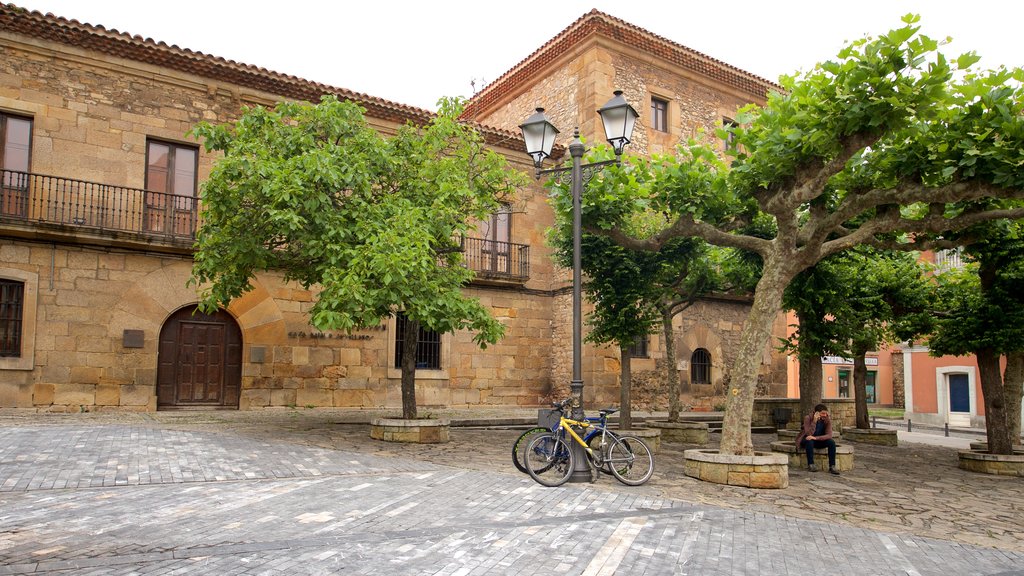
(817, 433)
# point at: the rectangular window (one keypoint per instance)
(730, 137)
(951, 259)
(428, 346)
(844, 383)
(171, 181)
(15, 152)
(870, 387)
(12, 300)
(659, 114)
(497, 230)
(639, 347)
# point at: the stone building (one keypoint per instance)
(99, 206)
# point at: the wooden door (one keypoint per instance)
(199, 360)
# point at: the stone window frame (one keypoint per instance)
(30, 300)
(395, 373)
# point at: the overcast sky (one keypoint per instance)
(416, 52)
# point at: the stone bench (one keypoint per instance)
(798, 457)
(682, 432)
(792, 434)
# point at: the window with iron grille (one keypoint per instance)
(428, 346)
(639, 347)
(700, 367)
(12, 296)
(659, 114)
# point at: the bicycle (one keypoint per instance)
(547, 423)
(550, 461)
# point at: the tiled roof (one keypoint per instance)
(14, 19)
(596, 22)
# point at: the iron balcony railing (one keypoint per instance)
(89, 206)
(54, 200)
(495, 260)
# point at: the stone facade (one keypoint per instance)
(98, 301)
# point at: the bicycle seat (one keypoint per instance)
(608, 411)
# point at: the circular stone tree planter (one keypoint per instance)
(877, 436)
(760, 470)
(983, 447)
(999, 464)
(683, 432)
(425, 431)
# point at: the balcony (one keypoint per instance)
(497, 261)
(50, 206)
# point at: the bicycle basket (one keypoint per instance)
(548, 418)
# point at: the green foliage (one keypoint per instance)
(629, 287)
(981, 305)
(856, 301)
(313, 192)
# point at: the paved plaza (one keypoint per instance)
(307, 492)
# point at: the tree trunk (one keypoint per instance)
(757, 329)
(995, 404)
(671, 374)
(1013, 391)
(860, 390)
(625, 383)
(409, 341)
(810, 384)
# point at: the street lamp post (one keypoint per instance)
(539, 133)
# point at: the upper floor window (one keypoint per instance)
(639, 347)
(171, 174)
(15, 149)
(497, 230)
(949, 259)
(730, 136)
(12, 300)
(659, 114)
(428, 345)
(700, 367)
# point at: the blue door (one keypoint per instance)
(959, 393)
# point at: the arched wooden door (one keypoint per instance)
(199, 363)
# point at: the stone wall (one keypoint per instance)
(898, 392)
(92, 114)
(842, 410)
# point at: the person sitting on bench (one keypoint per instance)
(817, 433)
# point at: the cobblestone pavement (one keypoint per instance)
(308, 492)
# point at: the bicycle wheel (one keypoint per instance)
(601, 445)
(549, 460)
(519, 448)
(630, 460)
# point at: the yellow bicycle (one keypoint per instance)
(550, 461)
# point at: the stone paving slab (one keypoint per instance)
(144, 498)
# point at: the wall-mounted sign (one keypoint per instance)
(316, 334)
(868, 361)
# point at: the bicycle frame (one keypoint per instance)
(566, 424)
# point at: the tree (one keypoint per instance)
(982, 313)
(873, 148)
(632, 289)
(851, 303)
(374, 223)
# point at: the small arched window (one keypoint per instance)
(700, 367)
